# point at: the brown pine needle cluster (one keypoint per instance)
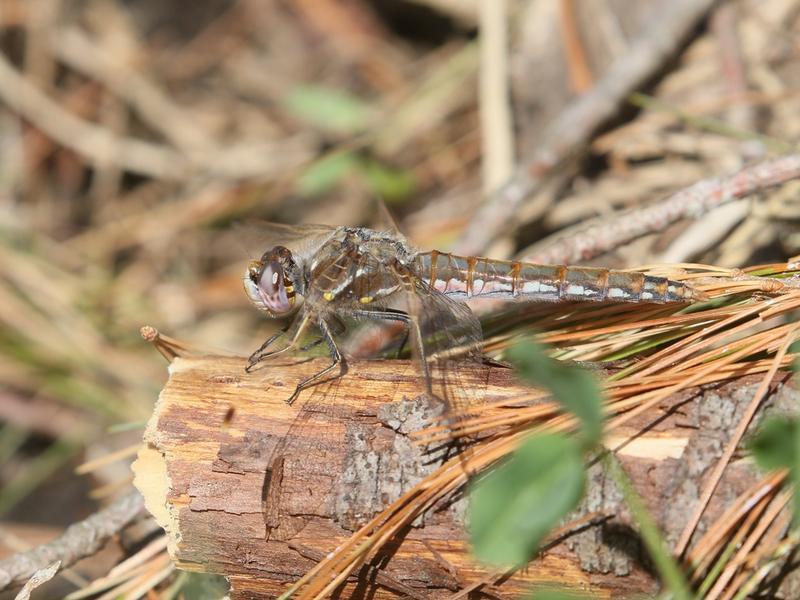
(745, 327)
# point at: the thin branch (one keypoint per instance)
(78, 541)
(570, 131)
(592, 240)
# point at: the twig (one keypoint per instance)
(594, 239)
(574, 126)
(708, 232)
(39, 578)
(78, 541)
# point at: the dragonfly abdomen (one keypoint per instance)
(467, 277)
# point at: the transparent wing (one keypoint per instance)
(300, 476)
(385, 221)
(305, 464)
(256, 237)
(450, 337)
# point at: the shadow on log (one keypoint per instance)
(219, 435)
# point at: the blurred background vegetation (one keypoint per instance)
(134, 132)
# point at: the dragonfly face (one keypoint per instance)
(269, 282)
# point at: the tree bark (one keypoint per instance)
(218, 435)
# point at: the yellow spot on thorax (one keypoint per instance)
(328, 296)
(366, 299)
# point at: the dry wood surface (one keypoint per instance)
(216, 430)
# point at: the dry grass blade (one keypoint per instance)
(704, 550)
(789, 337)
(771, 512)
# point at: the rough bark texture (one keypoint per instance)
(216, 430)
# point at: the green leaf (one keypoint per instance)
(773, 446)
(516, 504)
(329, 109)
(575, 388)
(204, 586)
(391, 185)
(324, 174)
(794, 348)
(776, 445)
(666, 565)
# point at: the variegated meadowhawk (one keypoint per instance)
(353, 273)
(364, 274)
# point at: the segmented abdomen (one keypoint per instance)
(466, 277)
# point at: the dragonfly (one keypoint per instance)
(330, 276)
(356, 272)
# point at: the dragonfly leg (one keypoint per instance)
(340, 329)
(255, 357)
(336, 360)
(262, 354)
(423, 359)
(388, 314)
(396, 315)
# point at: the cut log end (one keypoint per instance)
(260, 491)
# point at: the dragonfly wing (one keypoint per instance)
(299, 476)
(450, 346)
(300, 479)
(386, 222)
(256, 237)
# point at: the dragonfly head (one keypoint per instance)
(268, 282)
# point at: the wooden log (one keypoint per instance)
(216, 431)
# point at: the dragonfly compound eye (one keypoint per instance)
(268, 285)
(275, 289)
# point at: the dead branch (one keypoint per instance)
(571, 130)
(217, 430)
(78, 541)
(602, 235)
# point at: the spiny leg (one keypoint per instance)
(336, 357)
(396, 315)
(340, 329)
(254, 357)
(260, 354)
(388, 314)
